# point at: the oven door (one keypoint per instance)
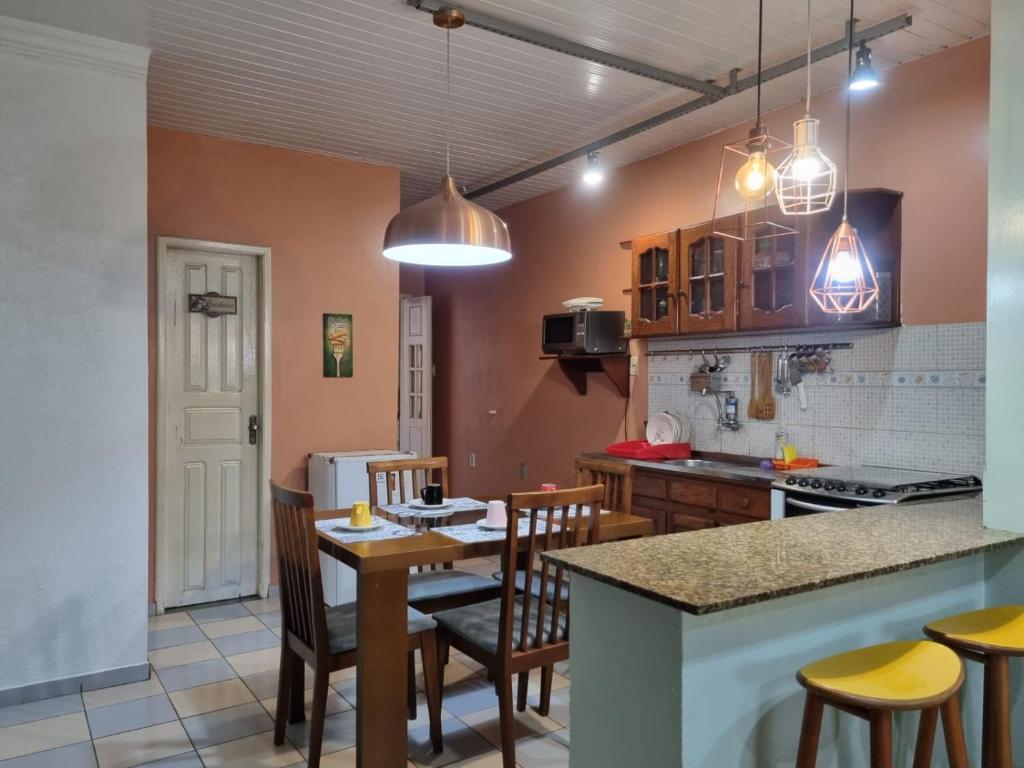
(795, 504)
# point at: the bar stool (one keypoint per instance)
(989, 636)
(873, 682)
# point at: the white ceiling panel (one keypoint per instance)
(364, 79)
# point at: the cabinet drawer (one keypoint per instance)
(695, 493)
(682, 521)
(650, 485)
(745, 501)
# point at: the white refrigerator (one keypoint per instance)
(336, 480)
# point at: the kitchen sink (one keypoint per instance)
(705, 463)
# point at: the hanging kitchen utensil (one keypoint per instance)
(796, 378)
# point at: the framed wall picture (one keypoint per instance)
(337, 344)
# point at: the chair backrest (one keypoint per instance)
(615, 476)
(555, 521)
(302, 592)
(431, 469)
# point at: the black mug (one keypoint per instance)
(431, 494)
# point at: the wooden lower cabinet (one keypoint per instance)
(677, 503)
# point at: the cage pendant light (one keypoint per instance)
(744, 200)
(807, 178)
(447, 230)
(845, 282)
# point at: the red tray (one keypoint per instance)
(641, 449)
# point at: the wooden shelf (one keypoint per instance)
(576, 368)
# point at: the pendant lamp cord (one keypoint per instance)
(807, 109)
(849, 77)
(448, 102)
(760, 46)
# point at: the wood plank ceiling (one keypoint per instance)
(364, 78)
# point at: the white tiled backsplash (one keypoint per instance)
(910, 397)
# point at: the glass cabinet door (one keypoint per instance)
(772, 280)
(709, 303)
(655, 284)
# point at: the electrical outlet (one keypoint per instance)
(634, 364)
(472, 460)
(522, 470)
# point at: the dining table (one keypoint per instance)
(382, 576)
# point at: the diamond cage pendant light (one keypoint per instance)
(747, 177)
(845, 282)
(807, 178)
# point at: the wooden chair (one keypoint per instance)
(325, 638)
(615, 476)
(519, 632)
(439, 588)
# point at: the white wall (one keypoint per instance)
(1004, 506)
(73, 356)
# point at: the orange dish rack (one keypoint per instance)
(641, 449)
(797, 463)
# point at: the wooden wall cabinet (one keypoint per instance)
(656, 284)
(676, 503)
(708, 281)
(773, 282)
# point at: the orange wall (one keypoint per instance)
(924, 132)
(323, 218)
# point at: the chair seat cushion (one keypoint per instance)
(479, 624)
(535, 584)
(341, 626)
(431, 585)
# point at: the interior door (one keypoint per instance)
(209, 495)
(416, 377)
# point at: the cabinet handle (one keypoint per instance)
(744, 502)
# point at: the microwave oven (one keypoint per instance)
(588, 331)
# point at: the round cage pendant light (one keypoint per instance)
(447, 230)
(845, 282)
(807, 177)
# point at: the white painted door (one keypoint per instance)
(416, 376)
(209, 498)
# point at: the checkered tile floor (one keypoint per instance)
(210, 702)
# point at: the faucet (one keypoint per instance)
(724, 422)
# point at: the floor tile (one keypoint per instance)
(209, 698)
(490, 760)
(40, 710)
(272, 620)
(263, 606)
(548, 751)
(460, 743)
(252, 752)
(219, 612)
(178, 655)
(250, 663)
(35, 736)
(232, 645)
(118, 693)
(559, 709)
(165, 638)
(454, 671)
(474, 694)
(334, 703)
(215, 629)
(200, 673)
(227, 724)
(130, 715)
(186, 760)
(170, 621)
(143, 746)
(80, 755)
(339, 733)
(527, 724)
(346, 758)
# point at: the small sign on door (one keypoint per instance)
(212, 304)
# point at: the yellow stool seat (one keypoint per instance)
(898, 675)
(999, 629)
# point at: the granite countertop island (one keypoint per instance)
(690, 643)
(706, 571)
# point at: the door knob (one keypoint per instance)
(254, 429)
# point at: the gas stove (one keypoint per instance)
(864, 486)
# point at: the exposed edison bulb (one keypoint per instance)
(807, 165)
(756, 177)
(845, 268)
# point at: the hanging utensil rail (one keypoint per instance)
(749, 349)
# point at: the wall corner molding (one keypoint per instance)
(42, 41)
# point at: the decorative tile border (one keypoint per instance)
(958, 379)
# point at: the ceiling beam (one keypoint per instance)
(737, 86)
(570, 48)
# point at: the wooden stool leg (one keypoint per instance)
(996, 747)
(524, 684)
(807, 754)
(953, 730)
(547, 675)
(506, 719)
(881, 738)
(410, 687)
(282, 709)
(925, 738)
(317, 719)
(297, 674)
(431, 686)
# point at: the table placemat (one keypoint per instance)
(470, 533)
(460, 504)
(387, 531)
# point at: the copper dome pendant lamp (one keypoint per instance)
(845, 282)
(447, 230)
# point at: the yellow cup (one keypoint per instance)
(361, 514)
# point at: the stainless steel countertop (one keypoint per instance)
(736, 471)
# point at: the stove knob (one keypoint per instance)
(879, 494)
(829, 487)
(815, 483)
(841, 487)
(860, 490)
(790, 481)
(803, 483)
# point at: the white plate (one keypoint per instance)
(419, 505)
(685, 430)
(346, 525)
(488, 527)
(583, 302)
(661, 429)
